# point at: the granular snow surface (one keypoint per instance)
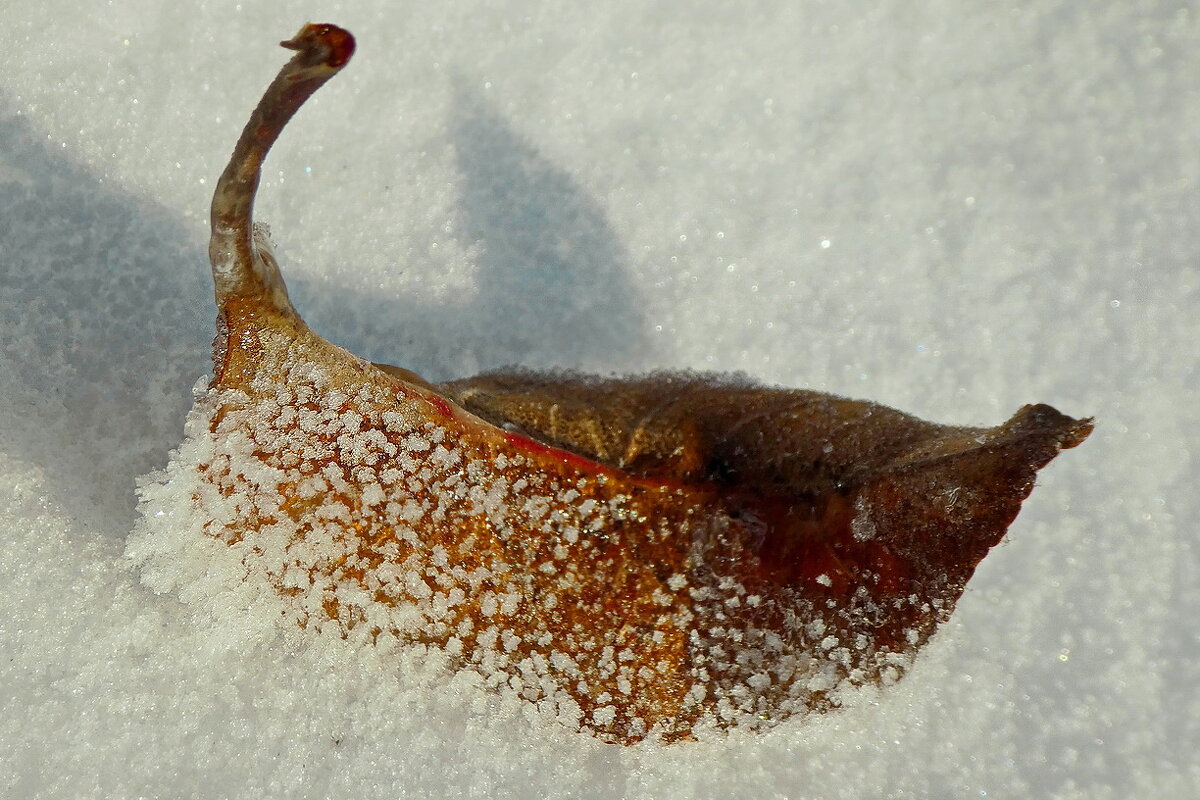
(953, 209)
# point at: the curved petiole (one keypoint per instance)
(242, 263)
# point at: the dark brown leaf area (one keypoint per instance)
(840, 497)
(701, 428)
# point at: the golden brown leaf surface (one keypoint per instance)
(637, 556)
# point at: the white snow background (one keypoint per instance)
(951, 207)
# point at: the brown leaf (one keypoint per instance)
(637, 556)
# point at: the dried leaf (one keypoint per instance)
(637, 556)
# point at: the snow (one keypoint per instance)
(953, 209)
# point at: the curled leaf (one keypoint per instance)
(637, 556)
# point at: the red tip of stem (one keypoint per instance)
(337, 43)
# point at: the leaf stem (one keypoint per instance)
(241, 260)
